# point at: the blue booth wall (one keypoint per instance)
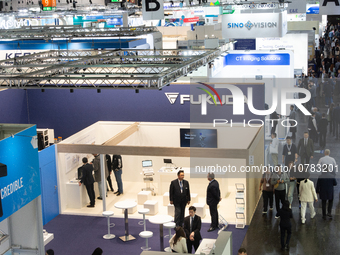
(13, 106)
(68, 113)
(49, 183)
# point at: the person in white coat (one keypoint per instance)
(274, 149)
(307, 195)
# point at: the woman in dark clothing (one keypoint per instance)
(285, 225)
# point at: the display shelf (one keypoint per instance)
(240, 205)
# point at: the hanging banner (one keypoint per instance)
(152, 9)
(19, 171)
(49, 5)
(296, 6)
(329, 7)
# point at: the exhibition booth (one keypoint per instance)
(156, 142)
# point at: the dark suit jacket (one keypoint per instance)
(309, 149)
(175, 194)
(196, 227)
(108, 162)
(336, 114)
(87, 177)
(285, 217)
(213, 193)
(325, 186)
(323, 125)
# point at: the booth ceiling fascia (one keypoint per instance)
(102, 69)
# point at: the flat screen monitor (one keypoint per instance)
(167, 161)
(80, 173)
(147, 163)
(205, 138)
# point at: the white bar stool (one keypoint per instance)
(107, 214)
(169, 225)
(146, 235)
(143, 211)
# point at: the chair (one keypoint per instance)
(146, 235)
(143, 211)
(108, 214)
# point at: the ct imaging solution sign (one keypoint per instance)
(252, 25)
(19, 171)
(153, 9)
(329, 7)
(257, 59)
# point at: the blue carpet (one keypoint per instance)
(82, 234)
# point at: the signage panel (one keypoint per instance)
(296, 6)
(21, 184)
(329, 7)
(152, 9)
(252, 25)
(257, 59)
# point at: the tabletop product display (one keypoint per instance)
(127, 204)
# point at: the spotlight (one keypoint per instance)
(42, 90)
(99, 91)
(71, 90)
(137, 91)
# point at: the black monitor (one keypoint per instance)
(147, 163)
(206, 138)
(3, 170)
(167, 161)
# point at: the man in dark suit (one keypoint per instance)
(109, 168)
(179, 195)
(323, 130)
(305, 149)
(336, 119)
(213, 198)
(325, 189)
(87, 180)
(192, 228)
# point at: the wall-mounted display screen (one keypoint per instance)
(206, 138)
(147, 163)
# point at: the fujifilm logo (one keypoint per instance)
(237, 99)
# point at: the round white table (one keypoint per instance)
(126, 205)
(160, 220)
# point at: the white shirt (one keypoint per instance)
(274, 146)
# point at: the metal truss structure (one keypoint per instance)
(69, 32)
(101, 69)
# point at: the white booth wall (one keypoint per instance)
(298, 43)
(159, 135)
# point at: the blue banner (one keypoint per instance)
(21, 183)
(257, 59)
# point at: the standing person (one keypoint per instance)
(274, 117)
(179, 195)
(279, 180)
(313, 127)
(192, 228)
(178, 241)
(213, 198)
(328, 91)
(305, 149)
(285, 225)
(292, 118)
(330, 119)
(109, 168)
(336, 118)
(289, 152)
(274, 149)
(327, 160)
(307, 195)
(291, 183)
(98, 175)
(117, 165)
(87, 180)
(267, 190)
(323, 130)
(325, 189)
